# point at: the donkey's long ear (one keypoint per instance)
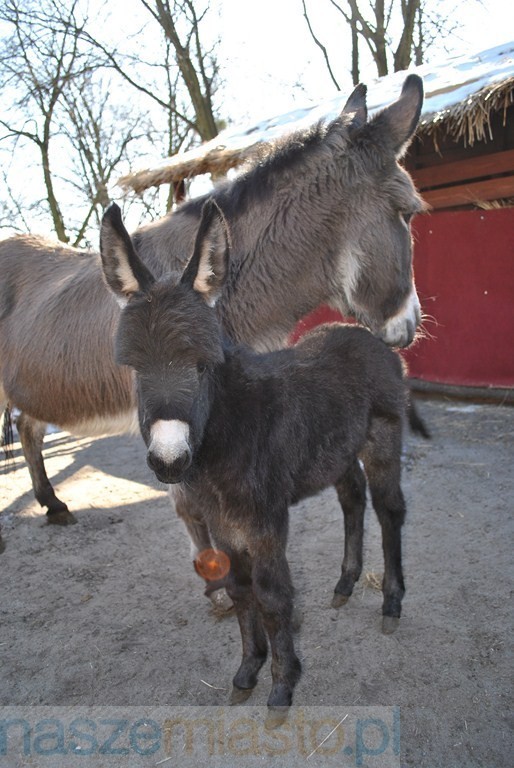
(399, 120)
(123, 269)
(356, 106)
(207, 269)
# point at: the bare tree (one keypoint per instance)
(187, 82)
(39, 60)
(418, 21)
(56, 104)
(180, 78)
(13, 214)
(77, 129)
(197, 66)
(100, 133)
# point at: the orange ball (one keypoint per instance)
(212, 564)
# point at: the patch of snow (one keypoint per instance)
(462, 408)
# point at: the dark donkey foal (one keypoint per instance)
(253, 433)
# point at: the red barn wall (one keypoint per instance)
(464, 265)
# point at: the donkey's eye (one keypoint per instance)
(201, 368)
(407, 217)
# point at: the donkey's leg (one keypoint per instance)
(31, 434)
(351, 490)
(5, 434)
(195, 525)
(253, 636)
(200, 541)
(382, 460)
(274, 592)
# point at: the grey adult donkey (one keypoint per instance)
(323, 217)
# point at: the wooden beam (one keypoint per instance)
(474, 192)
(464, 170)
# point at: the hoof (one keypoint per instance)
(390, 624)
(239, 695)
(338, 600)
(221, 603)
(276, 717)
(63, 517)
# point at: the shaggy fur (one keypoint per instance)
(259, 432)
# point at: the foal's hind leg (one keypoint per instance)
(31, 434)
(382, 461)
(351, 490)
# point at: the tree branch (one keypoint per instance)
(320, 46)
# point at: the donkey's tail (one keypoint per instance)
(416, 423)
(7, 434)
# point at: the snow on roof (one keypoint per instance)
(460, 94)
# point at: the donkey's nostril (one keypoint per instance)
(182, 463)
(169, 471)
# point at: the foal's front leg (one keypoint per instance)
(260, 585)
(185, 506)
(253, 637)
(273, 589)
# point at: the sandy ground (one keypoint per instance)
(110, 613)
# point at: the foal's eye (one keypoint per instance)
(407, 217)
(201, 368)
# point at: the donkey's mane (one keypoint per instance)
(270, 162)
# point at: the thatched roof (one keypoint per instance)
(470, 120)
(216, 160)
(461, 95)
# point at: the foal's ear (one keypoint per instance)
(124, 271)
(207, 269)
(398, 121)
(356, 106)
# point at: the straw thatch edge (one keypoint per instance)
(469, 120)
(216, 161)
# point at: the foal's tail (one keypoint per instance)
(416, 423)
(7, 434)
